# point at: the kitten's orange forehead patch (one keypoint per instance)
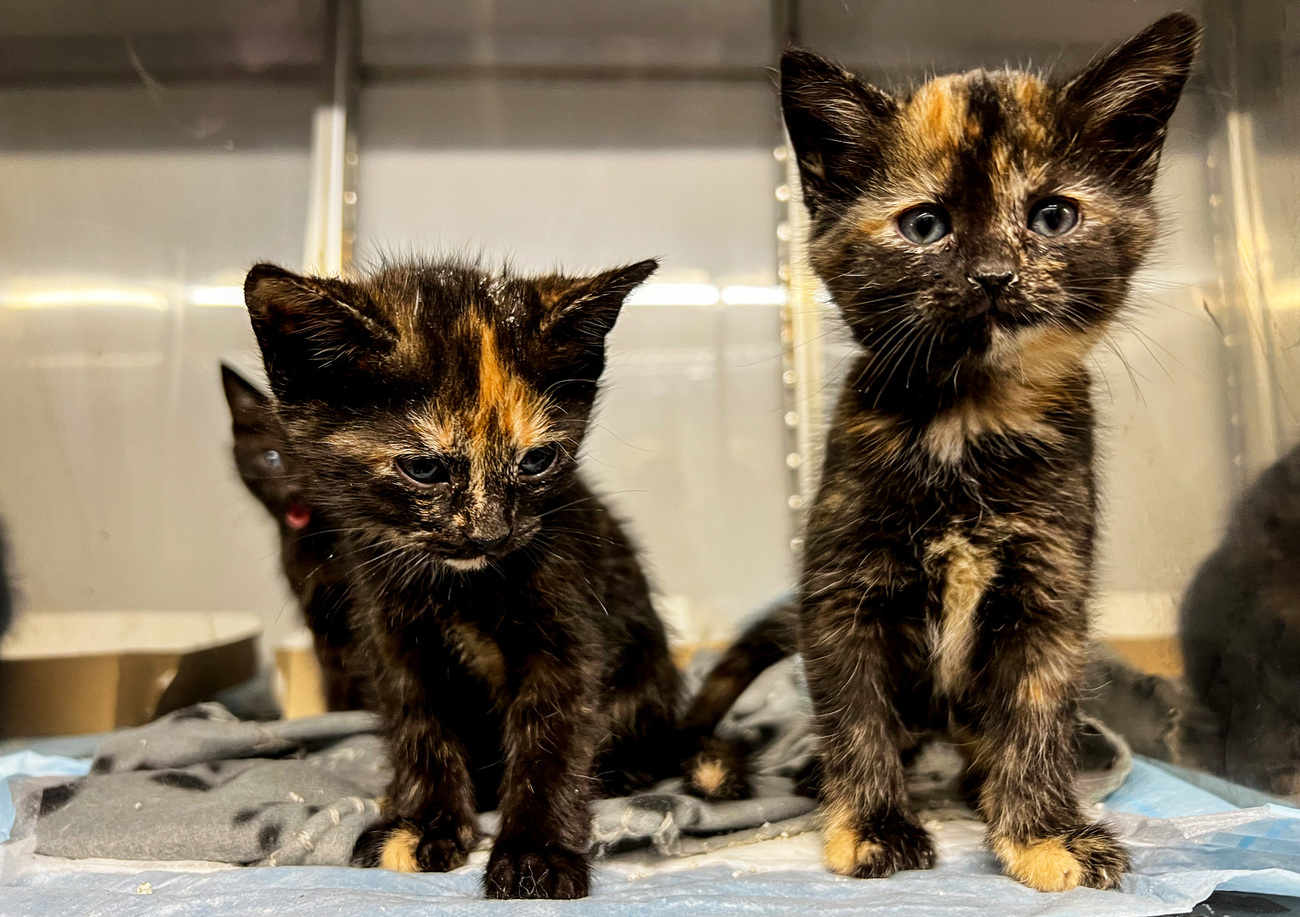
(936, 115)
(508, 408)
(503, 416)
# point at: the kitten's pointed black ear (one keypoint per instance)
(578, 314)
(249, 408)
(1123, 101)
(314, 331)
(836, 125)
(587, 307)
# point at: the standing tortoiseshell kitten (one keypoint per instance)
(310, 554)
(979, 236)
(437, 412)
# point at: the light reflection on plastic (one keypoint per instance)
(73, 297)
(216, 296)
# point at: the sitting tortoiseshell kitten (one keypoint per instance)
(438, 412)
(979, 236)
(310, 553)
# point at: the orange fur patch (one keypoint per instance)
(710, 775)
(509, 413)
(936, 115)
(399, 851)
(845, 849)
(968, 572)
(1045, 865)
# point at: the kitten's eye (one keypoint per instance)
(423, 470)
(536, 461)
(924, 225)
(272, 460)
(1053, 217)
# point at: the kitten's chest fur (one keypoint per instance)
(947, 494)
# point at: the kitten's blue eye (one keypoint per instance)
(423, 470)
(1054, 216)
(272, 460)
(924, 225)
(536, 461)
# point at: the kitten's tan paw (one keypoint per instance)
(893, 845)
(398, 852)
(401, 847)
(1089, 856)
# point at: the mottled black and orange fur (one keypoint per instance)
(517, 659)
(949, 551)
(310, 553)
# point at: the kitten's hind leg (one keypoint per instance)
(1023, 705)
(642, 713)
(869, 826)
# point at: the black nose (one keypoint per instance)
(488, 539)
(993, 281)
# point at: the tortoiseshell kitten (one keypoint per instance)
(438, 411)
(310, 555)
(979, 236)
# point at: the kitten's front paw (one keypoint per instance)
(890, 845)
(402, 847)
(524, 869)
(1089, 856)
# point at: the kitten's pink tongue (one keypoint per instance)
(298, 516)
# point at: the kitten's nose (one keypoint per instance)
(488, 537)
(993, 280)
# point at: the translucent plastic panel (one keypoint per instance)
(127, 218)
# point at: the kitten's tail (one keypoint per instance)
(715, 767)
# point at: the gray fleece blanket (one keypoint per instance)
(200, 784)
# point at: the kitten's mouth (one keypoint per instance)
(297, 516)
(466, 564)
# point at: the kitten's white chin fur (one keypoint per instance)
(466, 566)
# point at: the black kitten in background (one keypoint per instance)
(1240, 634)
(310, 554)
(438, 412)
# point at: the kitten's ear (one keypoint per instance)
(836, 124)
(587, 307)
(313, 331)
(580, 312)
(249, 408)
(1123, 101)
